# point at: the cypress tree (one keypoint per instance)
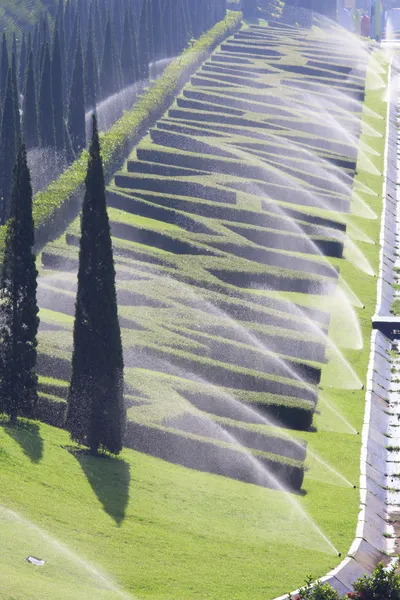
(30, 118)
(110, 71)
(57, 93)
(14, 46)
(17, 116)
(118, 23)
(61, 36)
(249, 9)
(98, 30)
(67, 23)
(72, 48)
(143, 42)
(8, 147)
(91, 68)
(46, 109)
(69, 151)
(96, 413)
(129, 66)
(19, 311)
(158, 30)
(4, 64)
(22, 63)
(76, 107)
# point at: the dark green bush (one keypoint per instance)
(383, 584)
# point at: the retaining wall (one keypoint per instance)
(378, 505)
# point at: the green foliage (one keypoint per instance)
(19, 320)
(96, 414)
(4, 64)
(315, 591)
(381, 585)
(8, 146)
(30, 116)
(76, 107)
(57, 71)
(46, 107)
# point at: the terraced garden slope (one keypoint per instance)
(222, 220)
(211, 221)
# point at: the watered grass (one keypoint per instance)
(162, 531)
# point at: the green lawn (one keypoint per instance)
(161, 530)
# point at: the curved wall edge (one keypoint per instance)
(377, 505)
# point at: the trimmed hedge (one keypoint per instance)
(202, 454)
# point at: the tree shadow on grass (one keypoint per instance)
(109, 478)
(27, 435)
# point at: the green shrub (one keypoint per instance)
(316, 591)
(383, 584)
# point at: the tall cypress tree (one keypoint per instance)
(8, 148)
(46, 109)
(17, 116)
(143, 42)
(4, 64)
(72, 48)
(96, 413)
(76, 107)
(30, 118)
(91, 68)
(110, 71)
(19, 311)
(57, 93)
(61, 36)
(158, 30)
(249, 8)
(98, 30)
(22, 64)
(130, 72)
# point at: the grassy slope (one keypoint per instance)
(185, 534)
(188, 534)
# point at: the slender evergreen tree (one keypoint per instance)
(143, 42)
(157, 30)
(76, 107)
(96, 413)
(4, 64)
(19, 311)
(130, 72)
(46, 108)
(8, 148)
(69, 151)
(91, 68)
(30, 118)
(98, 30)
(17, 116)
(22, 64)
(249, 8)
(72, 49)
(57, 93)
(110, 71)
